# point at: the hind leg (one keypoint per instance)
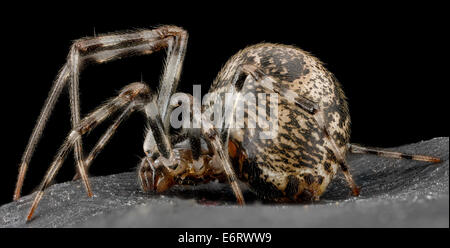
(388, 154)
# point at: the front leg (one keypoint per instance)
(131, 98)
(102, 49)
(223, 159)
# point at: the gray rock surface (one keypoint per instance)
(395, 193)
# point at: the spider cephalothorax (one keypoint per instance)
(292, 157)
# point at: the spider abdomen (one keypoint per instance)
(297, 164)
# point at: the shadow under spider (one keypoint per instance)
(384, 178)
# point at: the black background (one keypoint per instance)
(391, 61)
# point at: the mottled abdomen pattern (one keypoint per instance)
(298, 164)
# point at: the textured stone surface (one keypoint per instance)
(395, 193)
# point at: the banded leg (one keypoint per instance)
(102, 49)
(74, 62)
(106, 137)
(313, 108)
(36, 134)
(340, 156)
(353, 148)
(130, 98)
(155, 125)
(219, 143)
(219, 151)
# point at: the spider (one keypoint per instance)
(312, 128)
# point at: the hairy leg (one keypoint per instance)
(54, 93)
(106, 137)
(353, 148)
(102, 49)
(131, 97)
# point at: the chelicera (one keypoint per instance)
(296, 164)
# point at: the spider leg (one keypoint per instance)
(353, 148)
(340, 156)
(101, 49)
(219, 150)
(55, 91)
(175, 40)
(157, 139)
(155, 125)
(105, 138)
(131, 97)
(218, 145)
(318, 115)
(74, 62)
(219, 142)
